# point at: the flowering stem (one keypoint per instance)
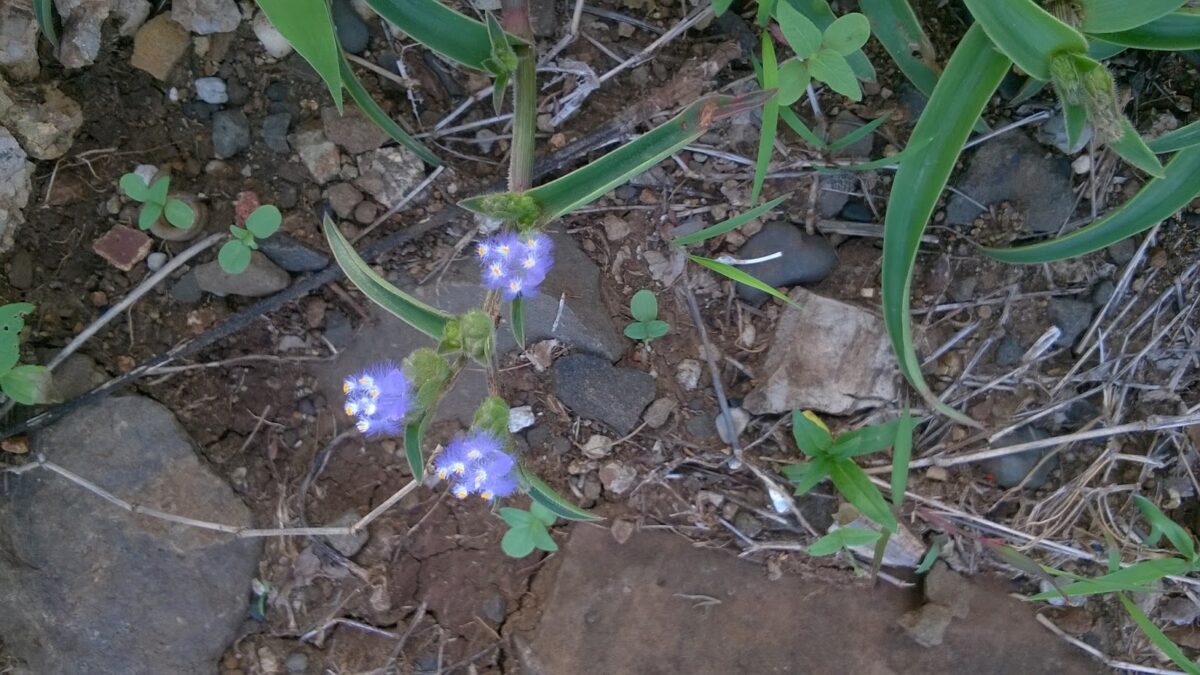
(515, 18)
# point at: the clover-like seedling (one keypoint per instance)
(820, 55)
(527, 530)
(646, 325)
(25, 384)
(155, 203)
(234, 256)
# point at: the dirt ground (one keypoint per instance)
(431, 591)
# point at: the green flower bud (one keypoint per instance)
(492, 416)
(477, 331)
(429, 373)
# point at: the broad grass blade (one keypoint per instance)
(429, 320)
(1177, 31)
(445, 31)
(770, 117)
(1132, 148)
(853, 484)
(308, 27)
(1158, 200)
(730, 224)
(1137, 577)
(971, 77)
(518, 321)
(1028, 34)
(740, 277)
(364, 100)
(43, 11)
(897, 28)
(1183, 137)
(901, 456)
(797, 125)
(545, 495)
(1110, 16)
(1156, 636)
(414, 436)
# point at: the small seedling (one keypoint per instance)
(27, 385)
(234, 256)
(527, 530)
(843, 537)
(646, 326)
(155, 203)
(820, 55)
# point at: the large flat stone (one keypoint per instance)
(826, 356)
(637, 608)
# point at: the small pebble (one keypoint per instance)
(1082, 164)
(156, 260)
(212, 90)
(519, 418)
(687, 374)
(296, 663)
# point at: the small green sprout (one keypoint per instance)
(234, 256)
(820, 56)
(155, 203)
(25, 384)
(527, 530)
(646, 325)
(843, 537)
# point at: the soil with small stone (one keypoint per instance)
(243, 432)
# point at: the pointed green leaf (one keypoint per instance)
(802, 35)
(740, 277)
(797, 125)
(179, 214)
(728, 225)
(859, 133)
(847, 34)
(43, 10)
(27, 385)
(1026, 33)
(843, 537)
(901, 456)
(429, 320)
(1133, 149)
(380, 117)
(832, 68)
(1179, 537)
(264, 221)
(414, 441)
(1158, 200)
(308, 27)
(721, 6)
(445, 31)
(857, 488)
(644, 306)
(793, 81)
(1183, 137)
(1110, 16)
(547, 497)
(898, 29)
(517, 542)
(930, 558)
(770, 117)
(806, 475)
(810, 434)
(517, 319)
(766, 9)
(149, 215)
(865, 441)
(1177, 31)
(234, 257)
(134, 187)
(1159, 639)
(1137, 577)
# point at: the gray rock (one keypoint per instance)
(20, 270)
(261, 278)
(1122, 252)
(826, 356)
(155, 261)
(77, 375)
(187, 289)
(1072, 318)
(343, 198)
(595, 389)
(1010, 470)
(296, 663)
(230, 133)
(927, 625)
(949, 589)
(198, 110)
(348, 544)
(212, 90)
(388, 174)
(91, 588)
(292, 255)
(495, 608)
(806, 259)
(275, 131)
(1014, 169)
(1102, 292)
(16, 182)
(18, 41)
(659, 412)
(727, 431)
(205, 17)
(1008, 351)
(1180, 610)
(857, 211)
(701, 427)
(617, 477)
(277, 91)
(845, 124)
(82, 19)
(912, 101)
(43, 119)
(835, 193)
(319, 155)
(352, 129)
(351, 29)
(1054, 133)
(338, 329)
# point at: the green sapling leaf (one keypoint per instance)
(157, 193)
(637, 331)
(656, 329)
(802, 34)
(179, 214)
(234, 257)
(264, 222)
(11, 323)
(134, 187)
(832, 68)
(517, 542)
(644, 306)
(492, 416)
(847, 34)
(543, 514)
(793, 81)
(515, 517)
(27, 385)
(541, 537)
(149, 214)
(843, 537)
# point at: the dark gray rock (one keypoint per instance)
(86, 587)
(1072, 318)
(77, 375)
(806, 259)
(338, 329)
(260, 279)
(835, 193)
(495, 608)
(701, 427)
(198, 110)
(1102, 292)
(1122, 252)
(230, 133)
(845, 124)
(351, 29)
(292, 255)
(186, 290)
(912, 101)
(277, 91)
(1008, 351)
(239, 94)
(1010, 470)
(595, 389)
(1015, 169)
(856, 210)
(275, 129)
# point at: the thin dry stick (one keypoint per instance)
(1111, 663)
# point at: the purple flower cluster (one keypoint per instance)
(515, 264)
(379, 398)
(477, 465)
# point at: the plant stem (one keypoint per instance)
(515, 18)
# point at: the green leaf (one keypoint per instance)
(517, 542)
(264, 221)
(429, 320)
(971, 77)
(810, 434)
(865, 441)
(729, 225)
(802, 35)
(644, 306)
(541, 537)
(1136, 578)
(766, 9)
(414, 440)
(43, 10)
(234, 257)
(517, 319)
(898, 29)
(1183, 137)
(492, 416)
(930, 558)
(806, 475)
(1177, 31)
(27, 385)
(1179, 537)
(179, 214)
(1158, 200)
(832, 68)
(793, 81)
(543, 514)
(847, 34)
(1076, 121)
(740, 277)
(857, 488)
(1028, 34)
(721, 6)
(308, 27)
(770, 117)
(445, 31)
(1133, 149)
(657, 328)
(547, 497)
(11, 323)
(157, 193)
(516, 517)
(134, 187)
(501, 63)
(637, 331)
(585, 184)
(901, 456)
(843, 537)
(149, 215)
(1109, 16)
(859, 133)
(1156, 636)
(1032, 87)
(821, 14)
(380, 117)
(797, 125)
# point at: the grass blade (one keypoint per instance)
(901, 456)
(1028, 34)
(1109, 16)
(893, 160)
(363, 98)
(858, 134)
(971, 77)
(770, 117)
(545, 495)
(730, 224)
(740, 277)
(797, 125)
(897, 28)
(820, 13)
(445, 31)
(1156, 636)
(43, 11)
(853, 484)
(585, 184)
(518, 321)
(1136, 577)
(1132, 148)
(1177, 31)
(1158, 200)
(308, 27)
(429, 320)
(1179, 537)
(1183, 137)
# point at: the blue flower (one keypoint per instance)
(379, 399)
(478, 465)
(514, 264)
